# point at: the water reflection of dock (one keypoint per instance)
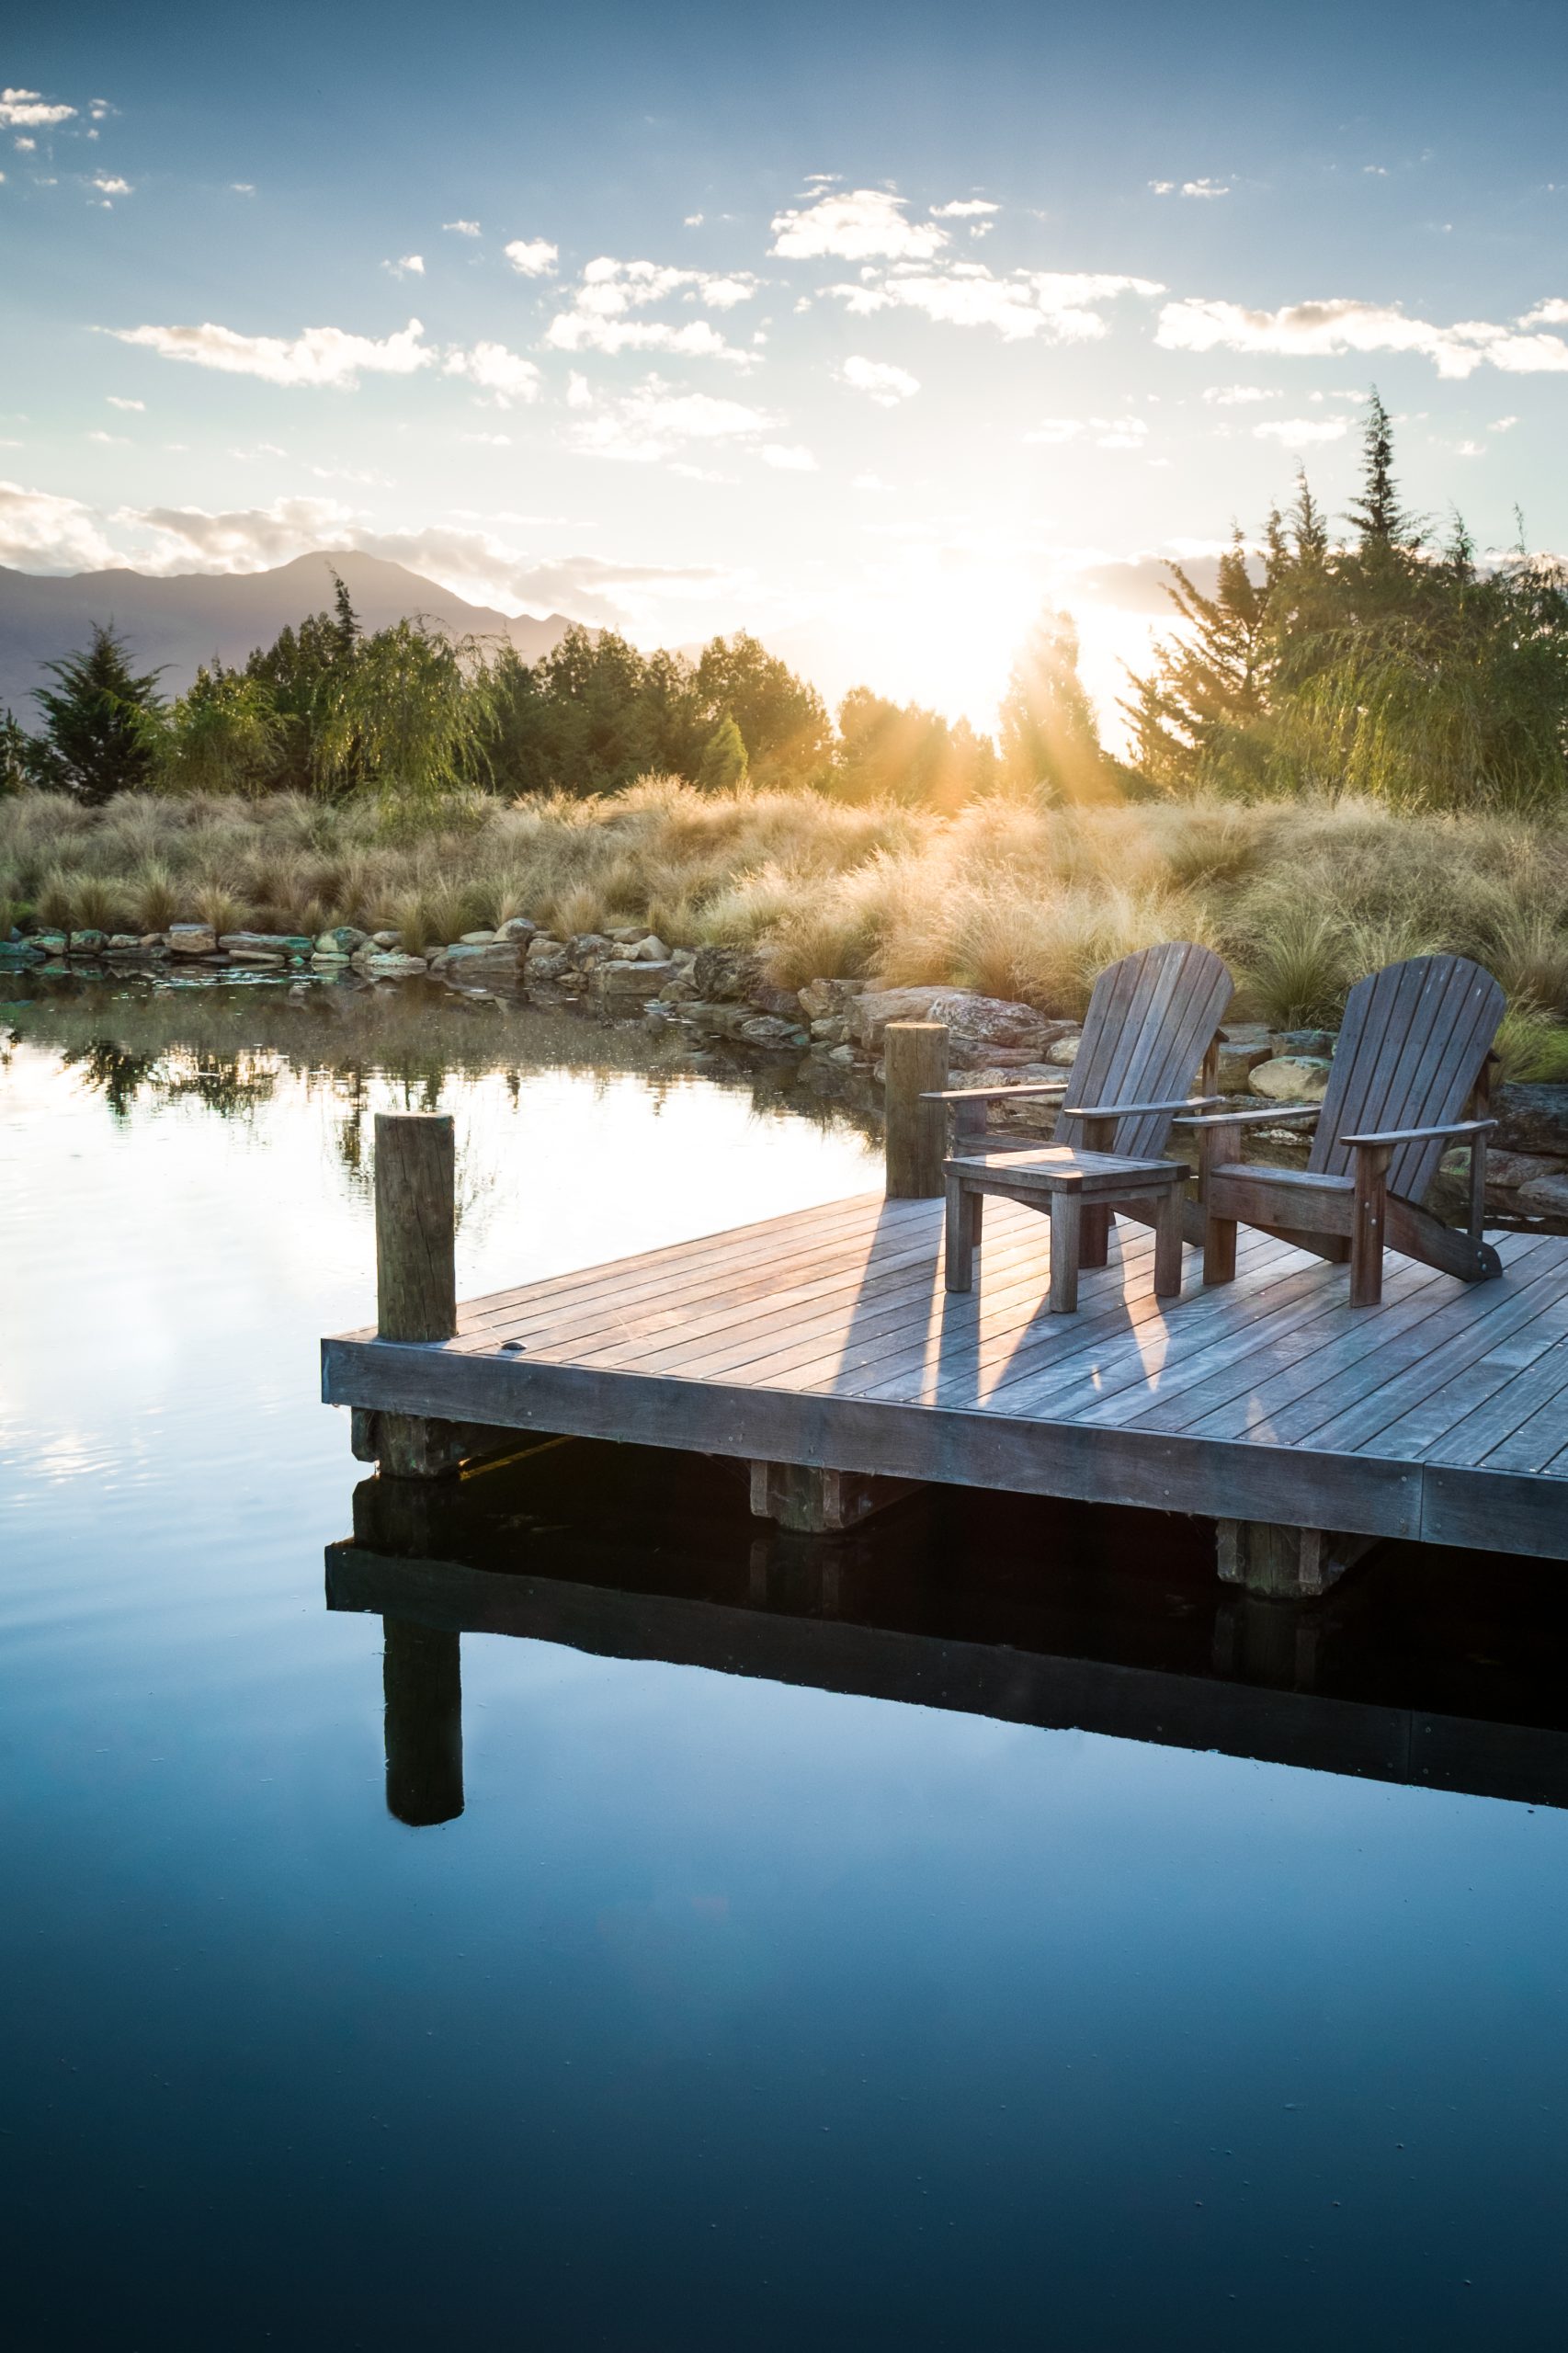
(1147, 1649)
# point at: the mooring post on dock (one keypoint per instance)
(416, 1223)
(915, 1064)
(422, 1684)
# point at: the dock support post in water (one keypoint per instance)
(812, 1502)
(417, 1281)
(422, 1682)
(1284, 1564)
(915, 1061)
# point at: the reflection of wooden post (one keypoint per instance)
(422, 1680)
(916, 1062)
(416, 1283)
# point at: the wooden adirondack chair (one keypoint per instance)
(1409, 1075)
(1153, 1020)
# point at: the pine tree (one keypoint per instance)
(1199, 719)
(1050, 742)
(723, 764)
(346, 618)
(1377, 515)
(102, 722)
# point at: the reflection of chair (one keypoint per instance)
(1154, 1018)
(1412, 1062)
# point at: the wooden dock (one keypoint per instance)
(825, 1342)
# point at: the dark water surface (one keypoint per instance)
(798, 1970)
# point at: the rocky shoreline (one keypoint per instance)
(705, 999)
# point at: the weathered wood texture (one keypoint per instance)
(822, 1503)
(915, 1064)
(1411, 1061)
(416, 1296)
(827, 1338)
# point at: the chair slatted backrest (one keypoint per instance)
(1150, 1023)
(1413, 1045)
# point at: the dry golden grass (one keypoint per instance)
(1303, 897)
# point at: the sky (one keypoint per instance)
(871, 329)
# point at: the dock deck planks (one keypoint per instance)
(827, 1338)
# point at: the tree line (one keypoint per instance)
(1381, 663)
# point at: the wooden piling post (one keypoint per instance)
(916, 1061)
(416, 1282)
(422, 1683)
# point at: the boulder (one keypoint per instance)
(651, 950)
(768, 1030)
(1290, 1078)
(540, 944)
(1247, 1033)
(541, 970)
(1531, 1119)
(1505, 1171)
(727, 975)
(474, 939)
(679, 989)
(517, 927)
(124, 943)
(388, 964)
(584, 949)
(497, 959)
(1062, 1052)
(1314, 1043)
(191, 940)
(52, 942)
(16, 955)
(344, 940)
(785, 1003)
(1545, 1195)
(1237, 1063)
(624, 980)
(820, 1000)
(832, 1030)
(386, 940)
(716, 1021)
(265, 943)
(88, 943)
(870, 1014)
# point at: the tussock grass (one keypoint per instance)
(1020, 901)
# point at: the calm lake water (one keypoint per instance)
(733, 2009)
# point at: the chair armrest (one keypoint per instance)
(1260, 1117)
(1458, 1131)
(992, 1094)
(1123, 1110)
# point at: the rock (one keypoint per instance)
(344, 940)
(541, 944)
(871, 1014)
(651, 950)
(1314, 1043)
(386, 940)
(517, 927)
(52, 942)
(832, 1030)
(1247, 1033)
(498, 958)
(16, 955)
(626, 935)
(685, 957)
(88, 943)
(679, 989)
(1290, 1078)
(823, 1000)
(267, 943)
(1505, 1171)
(784, 1003)
(1062, 1052)
(994, 1022)
(124, 943)
(716, 1021)
(770, 1029)
(843, 1055)
(191, 940)
(1237, 1063)
(623, 979)
(1531, 1119)
(474, 939)
(584, 949)
(154, 942)
(387, 964)
(1545, 1195)
(541, 970)
(727, 975)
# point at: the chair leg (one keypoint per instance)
(1094, 1235)
(1219, 1249)
(1066, 1222)
(1167, 1244)
(963, 1233)
(1367, 1228)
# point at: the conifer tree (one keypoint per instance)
(102, 722)
(1050, 742)
(723, 762)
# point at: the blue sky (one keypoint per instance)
(868, 328)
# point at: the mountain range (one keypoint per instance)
(178, 623)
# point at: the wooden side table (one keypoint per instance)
(1077, 1190)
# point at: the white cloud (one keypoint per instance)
(497, 371)
(1502, 424)
(108, 184)
(599, 316)
(1205, 187)
(1301, 432)
(967, 208)
(488, 440)
(1237, 395)
(328, 357)
(1469, 449)
(656, 422)
(461, 228)
(1550, 313)
(406, 266)
(115, 401)
(28, 109)
(790, 459)
(243, 187)
(26, 146)
(41, 532)
(693, 221)
(1059, 305)
(113, 440)
(579, 391)
(531, 256)
(1324, 329)
(860, 225)
(880, 380)
(870, 482)
(1107, 432)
